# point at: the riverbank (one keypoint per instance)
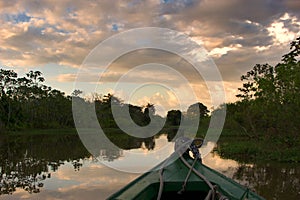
(246, 149)
(62, 131)
(231, 145)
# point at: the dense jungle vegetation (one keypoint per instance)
(266, 118)
(264, 123)
(26, 103)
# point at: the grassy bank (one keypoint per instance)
(232, 144)
(64, 131)
(246, 149)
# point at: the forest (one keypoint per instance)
(267, 115)
(267, 110)
(26, 103)
(269, 99)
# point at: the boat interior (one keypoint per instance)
(173, 190)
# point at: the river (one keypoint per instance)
(58, 166)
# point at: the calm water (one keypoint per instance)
(59, 167)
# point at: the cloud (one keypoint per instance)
(92, 181)
(163, 102)
(66, 77)
(284, 29)
(238, 34)
(218, 52)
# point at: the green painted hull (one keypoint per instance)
(146, 186)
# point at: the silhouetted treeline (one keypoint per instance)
(139, 114)
(25, 102)
(269, 103)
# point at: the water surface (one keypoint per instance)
(57, 166)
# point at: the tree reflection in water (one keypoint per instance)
(25, 161)
(272, 181)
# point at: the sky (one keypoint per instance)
(55, 37)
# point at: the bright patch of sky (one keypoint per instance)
(218, 52)
(163, 98)
(55, 37)
(282, 32)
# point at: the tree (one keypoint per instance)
(271, 96)
(288, 74)
(7, 82)
(197, 109)
(259, 83)
(35, 76)
(280, 83)
(26, 103)
(76, 93)
(148, 111)
(8, 90)
(174, 117)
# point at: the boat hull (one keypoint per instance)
(174, 174)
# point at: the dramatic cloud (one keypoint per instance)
(237, 33)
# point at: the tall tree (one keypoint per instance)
(174, 117)
(271, 95)
(197, 109)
